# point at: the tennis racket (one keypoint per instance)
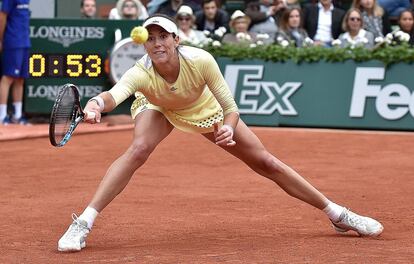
(66, 114)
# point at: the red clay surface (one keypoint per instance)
(194, 203)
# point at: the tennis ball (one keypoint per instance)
(139, 34)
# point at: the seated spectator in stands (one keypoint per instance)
(342, 4)
(153, 5)
(375, 18)
(394, 7)
(290, 28)
(185, 21)
(355, 35)
(264, 15)
(170, 7)
(88, 9)
(128, 9)
(323, 22)
(406, 25)
(211, 17)
(239, 25)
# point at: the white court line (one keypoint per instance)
(336, 131)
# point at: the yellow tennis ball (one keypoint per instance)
(139, 34)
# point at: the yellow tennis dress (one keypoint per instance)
(198, 98)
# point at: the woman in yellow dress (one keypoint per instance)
(182, 87)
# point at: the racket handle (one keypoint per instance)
(90, 115)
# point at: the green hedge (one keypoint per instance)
(386, 53)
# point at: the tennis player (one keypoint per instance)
(182, 87)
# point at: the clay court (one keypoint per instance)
(194, 203)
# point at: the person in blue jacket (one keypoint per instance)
(14, 45)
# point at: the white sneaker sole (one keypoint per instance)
(63, 249)
(375, 234)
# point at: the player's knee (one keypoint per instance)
(18, 82)
(270, 165)
(6, 80)
(139, 152)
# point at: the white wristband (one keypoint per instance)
(99, 101)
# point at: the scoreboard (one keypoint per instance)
(65, 65)
(72, 51)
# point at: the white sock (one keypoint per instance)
(89, 216)
(333, 211)
(17, 110)
(3, 111)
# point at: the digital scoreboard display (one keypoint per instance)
(76, 51)
(43, 65)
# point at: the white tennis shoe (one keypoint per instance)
(74, 237)
(364, 226)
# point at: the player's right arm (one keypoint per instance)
(103, 102)
(109, 100)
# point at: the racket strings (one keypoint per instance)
(64, 114)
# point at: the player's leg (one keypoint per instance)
(5, 84)
(17, 94)
(250, 150)
(151, 127)
(22, 72)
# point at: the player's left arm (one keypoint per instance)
(218, 86)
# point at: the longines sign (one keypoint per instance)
(70, 51)
(49, 92)
(67, 35)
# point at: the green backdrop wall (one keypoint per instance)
(342, 95)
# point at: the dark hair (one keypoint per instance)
(399, 19)
(208, 1)
(284, 22)
(83, 2)
(405, 11)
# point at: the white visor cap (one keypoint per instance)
(185, 11)
(163, 22)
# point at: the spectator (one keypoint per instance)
(185, 20)
(14, 44)
(265, 15)
(153, 5)
(170, 7)
(394, 7)
(406, 25)
(323, 22)
(342, 4)
(88, 9)
(239, 25)
(290, 28)
(374, 17)
(211, 17)
(128, 9)
(354, 34)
